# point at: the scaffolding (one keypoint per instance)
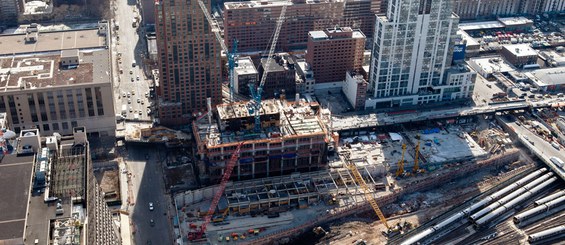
(68, 172)
(283, 193)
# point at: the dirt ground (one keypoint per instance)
(429, 205)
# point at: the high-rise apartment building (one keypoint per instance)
(334, 51)
(189, 61)
(412, 50)
(9, 10)
(252, 22)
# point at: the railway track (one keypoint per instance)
(490, 222)
(506, 232)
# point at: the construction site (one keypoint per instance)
(395, 171)
(282, 172)
(288, 137)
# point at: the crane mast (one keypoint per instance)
(416, 167)
(254, 106)
(225, 178)
(400, 170)
(368, 195)
(232, 61)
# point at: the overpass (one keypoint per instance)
(355, 122)
(538, 146)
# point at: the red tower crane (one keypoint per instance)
(225, 178)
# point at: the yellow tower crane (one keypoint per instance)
(416, 167)
(368, 194)
(400, 169)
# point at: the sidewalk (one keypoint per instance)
(125, 228)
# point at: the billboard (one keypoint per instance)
(459, 52)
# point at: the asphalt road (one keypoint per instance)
(541, 144)
(148, 186)
(129, 46)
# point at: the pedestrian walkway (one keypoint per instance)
(125, 228)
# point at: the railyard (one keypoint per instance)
(282, 208)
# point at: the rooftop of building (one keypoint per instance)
(281, 62)
(553, 55)
(521, 50)
(51, 41)
(245, 66)
(500, 23)
(470, 41)
(42, 71)
(481, 25)
(15, 185)
(272, 3)
(304, 69)
(152, 46)
(512, 21)
(544, 77)
(491, 64)
(328, 34)
(459, 68)
(296, 119)
(40, 216)
(239, 109)
(357, 77)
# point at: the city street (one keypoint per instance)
(148, 186)
(131, 87)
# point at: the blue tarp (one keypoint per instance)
(430, 131)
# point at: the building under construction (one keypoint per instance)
(293, 137)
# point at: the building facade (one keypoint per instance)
(477, 9)
(245, 74)
(293, 137)
(252, 22)
(413, 47)
(520, 55)
(189, 61)
(281, 78)
(57, 92)
(355, 90)
(304, 77)
(334, 51)
(9, 10)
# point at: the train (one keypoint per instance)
(509, 197)
(549, 198)
(538, 236)
(519, 218)
(417, 238)
(508, 206)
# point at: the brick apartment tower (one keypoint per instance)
(334, 51)
(189, 61)
(252, 22)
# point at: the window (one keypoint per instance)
(45, 127)
(55, 126)
(65, 125)
(99, 103)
